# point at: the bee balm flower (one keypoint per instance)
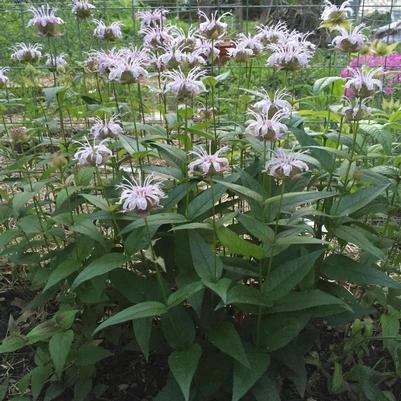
(268, 35)
(266, 128)
(82, 8)
(3, 78)
(361, 83)
(181, 85)
(56, 62)
(284, 164)
(212, 28)
(103, 129)
(272, 106)
(45, 19)
(107, 32)
(356, 109)
(155, 18)
(92, 155)
(26, 53)
(128, 71)
(141, 198)
(351, 40)
(208, 164)
(333, 16)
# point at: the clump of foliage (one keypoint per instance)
(179, 198)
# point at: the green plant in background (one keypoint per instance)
(224, 216)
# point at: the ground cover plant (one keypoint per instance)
(217, 208)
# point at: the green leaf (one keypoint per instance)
(157, 219)
(247, 295)
(341, 268)
(350, 203)
(97, 201)
(207, 265)
(256, 228)
(39, 376)
(3, 390)
(337, 380)
(142, 331)
(62, 271)
(204, 201)
(244, 378)
(183, 365)
(225, 337)
(286, 276)
(89, 354)
(20, 199)
(138, 311)
(355, 236)
(86, 227)
(183, 293)
(300, 300)
(293, 199)
(12, 343)
(59, 348)
(219, 287)
(238, 245)
(100, 266)
(248, 193)
(266, 389)
(280, 329)
(51, 92)
(322, 83)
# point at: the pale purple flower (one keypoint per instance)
(271, 106)
(106, 128)
(213, 27)
(128, 71)
(156, 36)
(108, 32)
(102, 61)
(266, 128)
(208, 48)
(272, 34)
(362, 83)
(336, 15)
(45, 19)
(285, 164)
(187, 40)
(26, 53)
(155, 18)
(82, 8)
(141, 198)
(183, 85)
(92, 154)
(250, 42)
(293, 53)
(3, 78)
(239, 52)
(56, 62)
(206, 163)
(355, 109)
(350, 40)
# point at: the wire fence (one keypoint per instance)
(78, 36)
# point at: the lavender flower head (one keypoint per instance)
(56, 62)
(141, 198)
(362, 83)
(285, 164)
(356, 109)
(129, 70)
(271, 106)
(153, 18)
(265, 128)
(26, 53)
(82, 8)
(334, 16)
(184, 85)
(207, 163)
(213, 27)
(274, 34)
(350, 40)
(45, 19)
(107, 32)
(92, 154)
(106, 128)
(3, 78)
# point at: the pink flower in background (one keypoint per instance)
(391, 65)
